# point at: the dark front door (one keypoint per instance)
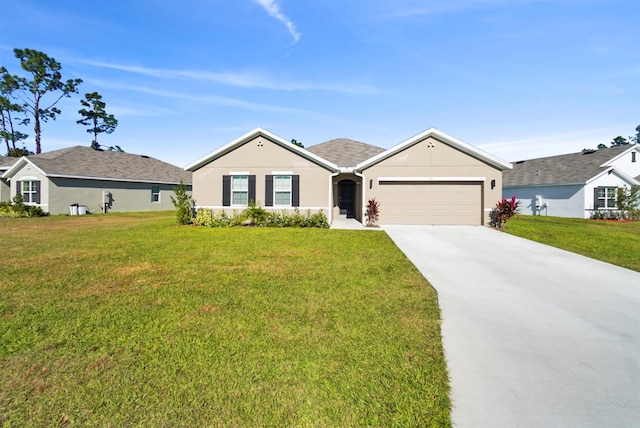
(347, 202)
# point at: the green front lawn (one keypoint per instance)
(610, 241)
(129, 319)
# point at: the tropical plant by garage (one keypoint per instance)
(504, 210)
(373, 212)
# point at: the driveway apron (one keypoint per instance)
(533, 336)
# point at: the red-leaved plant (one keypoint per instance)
(373, 212)
(504, 210)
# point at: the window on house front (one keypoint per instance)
(155, 193)
(30, 190)
(239, 190)
(606, 197)
(282, 190)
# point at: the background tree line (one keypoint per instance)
(620, 141)
(33, 99)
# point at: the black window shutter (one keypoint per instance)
(18, 188)
(268, 190)
(595, 198)
(252, 188)
(226, 190)
(295, 190)
(37, 192)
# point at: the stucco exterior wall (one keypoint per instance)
(5, 190)
(57, 194)
(260, 157)
(124, 196)
(627, 165)
(558, 201)
(574, 200)
(30, 173)
(431, 158)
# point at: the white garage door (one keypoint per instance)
(430, 203)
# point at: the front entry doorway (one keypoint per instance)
(347, 198)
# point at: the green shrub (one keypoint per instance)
(260, 218)
(183, 203)
(18, 209)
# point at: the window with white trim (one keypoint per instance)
(282, 190)
(606, 197)
(239, 189)
(29, 191)
(155, 194)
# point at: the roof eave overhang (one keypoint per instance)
(446, 139)
(576, 183)
(126, 180)
(19, 165)
(250, 136)
(611, 170)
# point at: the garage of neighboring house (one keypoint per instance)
(419, 202)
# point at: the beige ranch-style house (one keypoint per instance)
(431, 178)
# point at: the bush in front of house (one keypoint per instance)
(17, 209)
(183, 203)
(504, 210)
(254, 215)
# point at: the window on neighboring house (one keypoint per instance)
(282, 190)
(155, 193)
(30, 190)
(605, 197)
(239, 190)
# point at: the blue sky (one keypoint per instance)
(516, 78)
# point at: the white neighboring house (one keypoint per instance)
(573, 185)
(93, 181)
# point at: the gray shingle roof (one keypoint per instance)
(82, 161)
(345, 152)
(6, 162)
(571, 168)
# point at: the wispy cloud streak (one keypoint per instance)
(244, 79)
(273, 8)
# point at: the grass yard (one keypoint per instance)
(131, 320)
(610, 241)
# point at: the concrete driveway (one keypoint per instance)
(534, 336)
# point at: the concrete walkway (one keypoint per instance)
(342, 222)
(534, 336)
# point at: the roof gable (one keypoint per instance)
(199, 163)
(87, 163)
(442, 137)
(345, 152)
(573, 168)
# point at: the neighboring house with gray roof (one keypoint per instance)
(94, 180)
(431, 178)
(5, 191)
(573, 185)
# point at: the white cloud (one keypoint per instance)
(242, 79)
(273, 8)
